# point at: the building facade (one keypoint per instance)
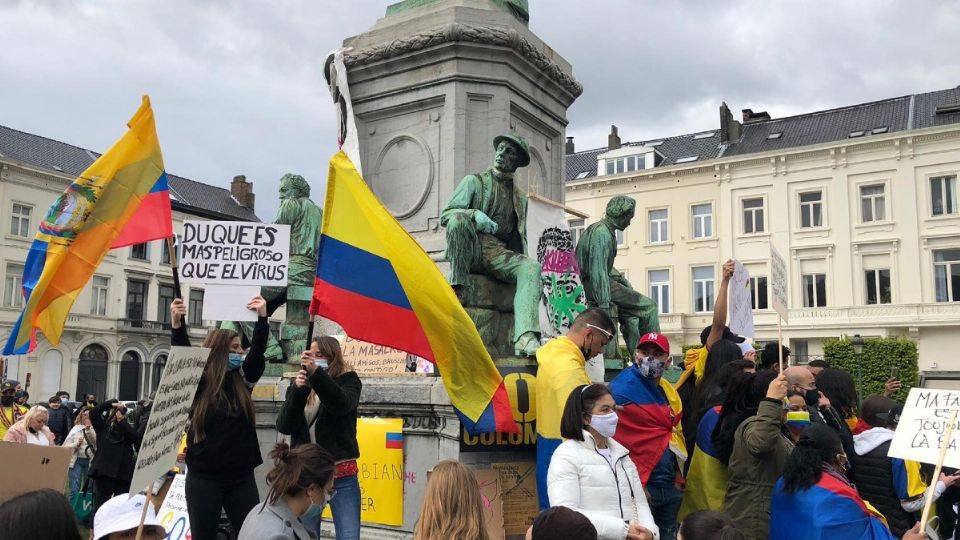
(116, 340)
(860, 201)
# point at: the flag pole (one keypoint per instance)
(780, 340)
(944, 444)
(143, 514)
(173, 266)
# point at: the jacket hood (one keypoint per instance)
(870, 439)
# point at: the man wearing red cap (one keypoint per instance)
(650, 428)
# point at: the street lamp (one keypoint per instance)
(857, 342)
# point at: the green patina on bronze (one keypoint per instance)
(606, 287)
(485, 223)
(518, 8)
(304, 218)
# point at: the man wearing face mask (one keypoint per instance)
(650, 428)
(801, 380)
(10, 411)
(561, 367)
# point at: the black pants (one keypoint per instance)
(206, 497)
(105, 488)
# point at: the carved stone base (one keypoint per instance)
(489, 303)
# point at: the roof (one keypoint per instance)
(187, 195)
(915, 111)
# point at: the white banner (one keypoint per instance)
(778, 283)
(168, 418)
(173, 512)
(234, 253)
(923, 425)
(740, 303)
(549, 240)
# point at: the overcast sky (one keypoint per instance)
(237, 85)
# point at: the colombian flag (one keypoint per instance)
(707, 476)
(380, 286)
(80, 228)
(829, 509)
(153, 219)
(394, 440)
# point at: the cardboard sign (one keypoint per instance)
(235, 253)
(369, 359)
(518, 482)
(173, 512)
(778, 283)
(168, 418)
(740, 302)
(492, 496)
(923, 425)
(29, 467)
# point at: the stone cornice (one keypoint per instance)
(454, 32)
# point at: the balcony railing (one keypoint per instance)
(142, 326)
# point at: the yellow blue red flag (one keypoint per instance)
(380, 286)
(80, 227)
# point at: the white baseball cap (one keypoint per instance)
(745, 347)
(122, 513)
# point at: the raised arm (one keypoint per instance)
(178, 312)
(255, 363)
(720, 307)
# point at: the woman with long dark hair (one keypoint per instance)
(222, 445)
(117, 443)
(43, 514)
(301, 484)
(709, 525)
(838, 386)
(321, 407)
(815, 501)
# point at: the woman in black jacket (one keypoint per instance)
(117, 442)
(222, 445)
(321, 407)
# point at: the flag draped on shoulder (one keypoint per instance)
(837, 507)
(82, 225)
(377, 283)
(707, 476)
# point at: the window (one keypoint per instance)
(660, 289)
(703, 288)
(20, 220)
(872, 203)
(753, 216)
(811, 209)
(687, 159)
(878, 286)
(775, 135)
(800, 350)
(13, 286)
(136, 299)
(582, 175)
(98, 302)
(658, 226)
(702, 220)
(704, 135)
(610, 166)
(946, 270)
(140, 251)
(881, 129)
(758, 292)
(166, 296)
(621, 239)
(943, 195)
(195, 309)
(814, 290)
(576, 230)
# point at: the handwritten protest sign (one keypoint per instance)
(173, 512)
(158, 452)
(492, 497)
(235, 253)
(923, 425)
(369, 359)
(778, 283)
(741, 302)
(518, 481)
(28, 467)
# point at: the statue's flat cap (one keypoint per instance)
(520, 143)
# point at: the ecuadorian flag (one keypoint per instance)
(830, 509)
(381, 287)
(80, 228)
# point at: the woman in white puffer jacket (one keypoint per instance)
(592, 474)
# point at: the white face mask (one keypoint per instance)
(605, 424)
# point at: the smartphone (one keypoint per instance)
(895, 373)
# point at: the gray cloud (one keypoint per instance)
(237, 86)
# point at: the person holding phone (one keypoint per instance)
(117, 443)
(321, 408)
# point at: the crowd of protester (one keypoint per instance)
(744, 446)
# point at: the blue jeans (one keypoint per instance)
(77, 474)
(664, 504)
(545, 449)
(345, 507)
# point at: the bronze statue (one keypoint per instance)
(485, 222)
(604, 284)
(304, 218)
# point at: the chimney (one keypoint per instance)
(729, 128)
(613, 140)
(570, 148)
(750, 116)
(242, 191)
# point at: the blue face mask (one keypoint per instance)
(313, 511)
(234, 361)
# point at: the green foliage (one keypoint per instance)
(879, 355)
(686, 348)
